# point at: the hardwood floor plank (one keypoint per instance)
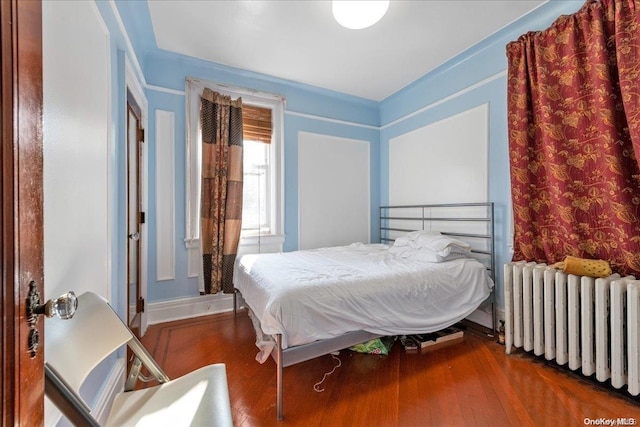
(470, 383)
(510, 402)
(425, 389)
(493, 405)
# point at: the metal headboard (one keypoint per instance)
(400, 219)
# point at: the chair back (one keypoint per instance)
(74, 347)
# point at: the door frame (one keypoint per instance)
(132, 85)
(21, 208)
(134, 212)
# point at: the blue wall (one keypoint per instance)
(476, 76)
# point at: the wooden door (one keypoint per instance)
(22, 378)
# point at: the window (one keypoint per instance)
(257, 132)
(263, 190)
(255, 201)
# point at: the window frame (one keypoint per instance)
(276, 103)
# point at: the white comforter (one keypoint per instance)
(323, 293)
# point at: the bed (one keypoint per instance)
(432, 268)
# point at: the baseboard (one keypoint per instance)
(113, 385)
(481, 317)
(185, 308)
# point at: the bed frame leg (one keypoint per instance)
(235, 302)
(493, 320)
(279, 414)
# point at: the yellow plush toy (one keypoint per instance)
(584, 267)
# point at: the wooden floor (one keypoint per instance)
(470, 383)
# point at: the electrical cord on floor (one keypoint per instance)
(316, 386)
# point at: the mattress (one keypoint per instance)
(318, 294)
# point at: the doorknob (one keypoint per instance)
(63, 307)
(134, 236)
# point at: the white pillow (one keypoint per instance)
(409, 253)
(439, 242)
(410, 238)
(454, 252)
(431, 240)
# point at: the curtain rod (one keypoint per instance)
(202, 84)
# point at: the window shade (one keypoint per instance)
(256, 123)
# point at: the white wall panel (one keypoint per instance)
(165, 195)
(444, 162)
(333, 185)
(78, 159)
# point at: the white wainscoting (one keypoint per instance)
(444, 162)
(165, 196)
(186, 308)
(333, 191)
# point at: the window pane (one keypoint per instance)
(255, 217)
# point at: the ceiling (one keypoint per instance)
(300, 41)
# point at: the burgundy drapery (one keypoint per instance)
(221, 188)
(574, 137)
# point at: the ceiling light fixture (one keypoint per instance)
(359, 14)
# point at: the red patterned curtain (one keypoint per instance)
(574, 137)
(221, 188)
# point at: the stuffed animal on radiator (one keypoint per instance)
(584, 267)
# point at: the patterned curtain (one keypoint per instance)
(221, 188)
(574, 137)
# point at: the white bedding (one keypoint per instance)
(323, 293)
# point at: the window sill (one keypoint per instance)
(269, 239)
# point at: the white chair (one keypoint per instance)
(74, 347)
